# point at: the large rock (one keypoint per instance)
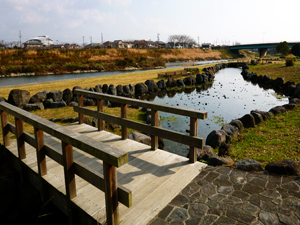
(277, 110)
(67, 95)
(18, 97)
(248, 165)
(88, 102)
(53, 105)
(238, 124)
(74, 95)
(55, 95)
(128, 90)
(104, 88)
(120, 90)
(289, 88)
(171, 82)
(34, 106)
(2, 99)
(162, 85)
(152, 86)
(284, 167)
(141, 88)
(257, 117)
(98, 88)
(219, 161)
(189, 81)
(205, 153)
(180, 83)
(265, 115)
(294, 101)
(224, 150)
(248, 121)
(112, 90)
(39, 97)
(231, 131)
(139, 137)
(297, 91)
(215, 138)
(277, 84)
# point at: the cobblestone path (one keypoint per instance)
(230, 196)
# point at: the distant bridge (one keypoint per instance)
(262, 47)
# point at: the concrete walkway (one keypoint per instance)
(231, 196)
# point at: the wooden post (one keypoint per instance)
(5, 131)
(193, 132)
(100, 109)
(80, 104)
(124, 115)
(20, 138)
(111, 194)
(154, 122)
(40, 152)
(67, 150)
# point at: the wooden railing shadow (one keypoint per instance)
(111, 157)
(154, 131)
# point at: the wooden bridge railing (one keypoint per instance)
(112, 157)
(193, 141)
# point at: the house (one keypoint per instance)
(206, 45)
(38, 42)
(94, 45)
(2, 46)
(108, 44)
(118, 44)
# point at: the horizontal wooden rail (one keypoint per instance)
(111, 157)
(193, 141)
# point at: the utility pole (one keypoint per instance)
(101, 38)
(20, 36)
(157, 37)
(82, 41)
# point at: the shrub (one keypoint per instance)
(289, 61)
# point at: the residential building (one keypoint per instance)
(38, 42)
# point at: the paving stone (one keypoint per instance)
(197, 210)
(250, 208)
(238, 177)
(179, 200)
(165, 212)
(252, 189)
(238, 186)
(256, 223)
(210, 168)
(178, 214)
(212, 204)
(209, 219)
(272, 194)
(201, 175)
(158, 221)
(291, 186)
(268, 218)
(242, 195)
(291, 203)
(190, 189)
(224, 170)
(214, 211)
(239, 215)
(284, 193)
(201, 199)
(276, 179)
(208, 190)
(255, 200)
(224, 220)
(222, 182)
(202, 182)
(231, 200)
(194, 221)
(259, 181)
(268, 206)
(287, 219)
(225, 189)
(176, 223)
(217, 197)
(211, 176)
(295, 194)
(287, 179)
(277, 201)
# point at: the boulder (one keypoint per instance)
(141, 88)
(265, 115)
(215, 138)
(98, 88)
(224, 150)
(162, 85)
(231, 131)
(152, 86)
(180, 83)
(248, 121)
(104, 88)
(128, 90)
(2, 99)
(189, 81)
(88, 102)
(238, 124)
(257, 117)
(120, 90)
(55, 95)
(39, 97)
(289, 88)
(205, 153)
(289, 106)
(34, 106)
(87, 121)
(297, 91)
(277, 109)
(139, 137)
(171, 82)
(53, 105)
(18, 97)
(199, 79)
(112, 90)
(248, 165)
(284, 167)
(132, 89)
(294, 101)
(73, 103)
(219, 161)
(67, 95)
(74, 95)
(277, 84)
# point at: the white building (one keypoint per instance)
(39, 41)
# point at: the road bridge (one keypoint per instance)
(262, 47)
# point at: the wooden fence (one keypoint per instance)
(111, 157)
(154, 131)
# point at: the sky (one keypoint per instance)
(209, 21)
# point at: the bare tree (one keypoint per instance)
(181, 39)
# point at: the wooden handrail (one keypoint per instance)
(193, 141)
(112, 157)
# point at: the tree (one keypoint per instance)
(296, 49)
(283, 48)
(181, 39)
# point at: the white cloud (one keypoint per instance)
(120, 3)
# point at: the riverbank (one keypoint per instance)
(24, 62)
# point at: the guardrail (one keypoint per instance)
(193, 141)
(111, 157)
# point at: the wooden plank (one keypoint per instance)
(193, 132)
(124, 115)
(100, 109)
(111, 194)
(80, 103)
(102, 151)
(154, 122)
(150, 105)
(156, 131)
(20, 138)
(40, 151)
(69, 170)
(5, 131)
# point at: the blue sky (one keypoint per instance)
(214, 21)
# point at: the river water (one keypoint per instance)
(229, 97)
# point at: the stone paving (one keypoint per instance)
(230, 196)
